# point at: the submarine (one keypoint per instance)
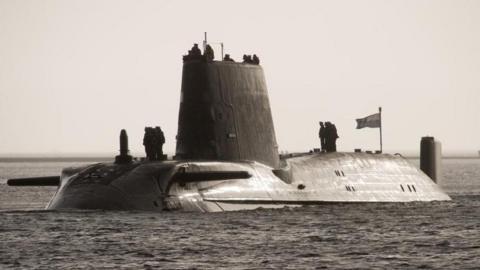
(227, 159)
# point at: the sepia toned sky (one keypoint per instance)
(73, 73)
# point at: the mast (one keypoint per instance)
(381, 142)
(205, 41)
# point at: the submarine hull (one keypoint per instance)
(227, 159)
(212, 186)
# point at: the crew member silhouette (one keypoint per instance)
(228, 58)
(334, 138)
(209, 55)
(331, 137)
(247, 59)
(255, 60)
(159, 141)
(195, 51)
(148, 142)
(321, 135)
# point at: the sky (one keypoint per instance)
(74, 73)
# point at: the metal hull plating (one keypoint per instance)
(306, 179)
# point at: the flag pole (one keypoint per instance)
(381, 143)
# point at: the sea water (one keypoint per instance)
(426, 235)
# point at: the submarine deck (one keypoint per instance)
(209, 186)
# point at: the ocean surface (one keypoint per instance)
(438, 235)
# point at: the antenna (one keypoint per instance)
(221, 43)
(205, 41)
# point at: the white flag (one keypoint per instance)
(372, 121)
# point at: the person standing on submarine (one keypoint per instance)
(148, 142)
(255, 60)
(331, 137)
(159, 141)
(195, 51)
(208, 53)
(321, 135)
(334, 138)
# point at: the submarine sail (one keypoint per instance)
(225, 113)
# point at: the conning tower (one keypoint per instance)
(225, 113)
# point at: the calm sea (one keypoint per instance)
(438, 235)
